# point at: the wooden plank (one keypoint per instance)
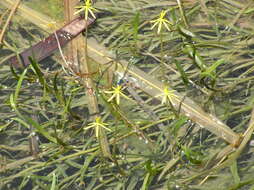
(47, 46)
(77, 57)
(71, 51)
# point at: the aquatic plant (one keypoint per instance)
(190, 136)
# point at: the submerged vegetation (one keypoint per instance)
(168, 105)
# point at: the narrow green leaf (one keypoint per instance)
(21, 122)
(14, 73)
(249, 10)
(14, 106)
(234, 171)
(39, 73)
(14, 97)
(183, 74)
(132, 183)
(88, 160)
(41, 130)
(191, 155)
(37, 70)
(55, 85)
(186, 33)
(2, 127)
(58, 94)
(199, 61)
(211, 71)
(178, 123)
(12, 102)
(189, 49)
(18, 87)
(135, 25)
(24, 183)
(53, 185)
(192, 52)
(146, 182)
(168, 166)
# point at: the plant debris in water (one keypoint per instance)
(201, 49)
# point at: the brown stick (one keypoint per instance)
(72, 48)
(47, 46)
(9, 20)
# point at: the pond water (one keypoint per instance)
(151, 145)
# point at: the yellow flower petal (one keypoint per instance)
(161, 21)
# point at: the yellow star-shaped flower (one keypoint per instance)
(117, 92)
(167, 95)
(87, 8)
(161, 21)
(97, 124)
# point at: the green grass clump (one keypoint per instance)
(203, 50)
